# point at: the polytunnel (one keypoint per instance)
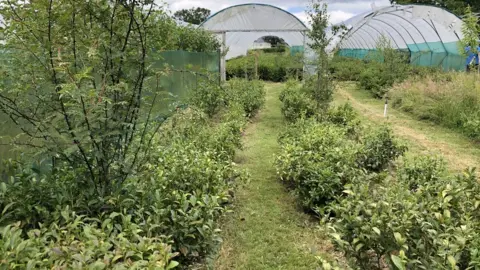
(239, 26)
(430, 35)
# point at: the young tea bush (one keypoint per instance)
(250, 94)
(316, 160)
(295, 103)
(429, 227)
(208, 95)
(378, 148)
(76, 242)
(345, 116)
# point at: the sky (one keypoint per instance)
(339, 10)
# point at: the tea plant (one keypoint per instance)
(431, 226)
(249, 94)
(295, 103)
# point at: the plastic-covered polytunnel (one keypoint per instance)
(239, 26)
(430, 34)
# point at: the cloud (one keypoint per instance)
(339, 10)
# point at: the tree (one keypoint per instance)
(470, 31)
(455, 6)
(74, 82)
(194, 15)
(274, 41)
(320, 87)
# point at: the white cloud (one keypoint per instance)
(338, 16)
(347, 6)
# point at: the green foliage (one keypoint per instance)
(379, 147)
(346, 117)
(75, 242)
(470, 31)
(422, 170)
(295, 103)
(450, 100)
(275, 67)
(316, 160)
(431, 226)
(346, 69)
(249, 94)
(380, 69)
(320, 87)
(193, 15)
(208, 96)
(125, 187)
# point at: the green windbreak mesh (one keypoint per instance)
(178, 73)
(431, 54)
(174, 74)
(294, 50)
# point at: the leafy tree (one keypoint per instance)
(470, 31)
(75, 80)
(321, 88)
(193, 15)
(455, 6)
(274, 41)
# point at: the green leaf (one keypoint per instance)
(377, 230)
(452, 261)
(398, 262)
(172, 265)
(398, 238)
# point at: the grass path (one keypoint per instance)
(423, 137)
(267, 230)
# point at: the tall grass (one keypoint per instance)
(449, 99)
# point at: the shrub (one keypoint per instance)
(75, 242)
(275, 67)
(249, 94)
(346, 69)
(295, 103)
(208, 96)
(346, 117)
(431, 227)
(379, 148)
(316, 160)
(422, 170)
(179, 191)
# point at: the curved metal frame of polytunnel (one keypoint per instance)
(430, 34)
(239, 26)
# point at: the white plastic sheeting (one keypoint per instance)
(413, 27)
(243, 24)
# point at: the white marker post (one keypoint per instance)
(386, 105)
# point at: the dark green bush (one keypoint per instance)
(320, 155)
(295, 103)
(249, 94)
(346, 69)
(422, 170)
(430, 227)
(346, 117)
(179, 192)
(378, 148)
(208, 95)
(316, 160)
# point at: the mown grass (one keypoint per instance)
(268, 230)
(423, 137)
